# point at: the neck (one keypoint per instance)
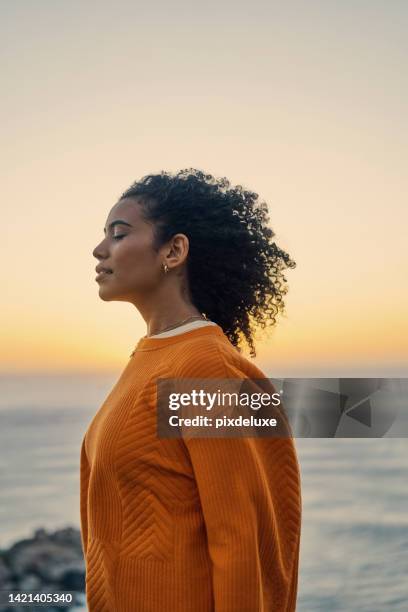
(164, 311)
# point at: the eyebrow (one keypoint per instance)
(117, 222)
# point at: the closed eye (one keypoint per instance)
(119, 237)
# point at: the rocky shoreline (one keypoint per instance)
(49, 562)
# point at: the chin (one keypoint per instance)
(111, 296)
(106, 296)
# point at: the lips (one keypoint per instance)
(102, 273)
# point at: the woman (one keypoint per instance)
(188, 525)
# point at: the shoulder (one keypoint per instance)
(210, 357)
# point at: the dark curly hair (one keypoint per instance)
(234, 269)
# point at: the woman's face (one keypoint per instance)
(127, 251)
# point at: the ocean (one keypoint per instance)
(354, 547)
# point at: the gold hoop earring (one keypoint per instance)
(165, 268)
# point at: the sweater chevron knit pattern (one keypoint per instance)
(185, 525)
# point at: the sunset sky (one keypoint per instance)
(303, 102)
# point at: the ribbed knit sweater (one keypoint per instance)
(185, 525)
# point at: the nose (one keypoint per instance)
(99, 252)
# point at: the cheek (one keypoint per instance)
(135, 260)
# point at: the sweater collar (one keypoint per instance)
(147, 344)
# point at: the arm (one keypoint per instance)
(249, 490)
(252, 564)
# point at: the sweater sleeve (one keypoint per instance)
(250, 546)
(236, 510)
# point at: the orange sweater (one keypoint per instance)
(185, 525)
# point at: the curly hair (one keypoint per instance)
(234, 269)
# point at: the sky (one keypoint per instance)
(303, 102)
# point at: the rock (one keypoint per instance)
(47, 562)
(5, 573)
(40, 534)
(42, 557)
(29, 582)
(73, 580)
(69, 537)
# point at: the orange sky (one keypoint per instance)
(306, 107)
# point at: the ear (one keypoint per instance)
(177, 250)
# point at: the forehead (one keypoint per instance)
(128, 209)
